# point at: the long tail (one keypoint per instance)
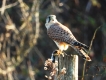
(82, 53)
(80, 45)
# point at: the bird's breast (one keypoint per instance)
(62, 45)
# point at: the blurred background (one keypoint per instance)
(24, 44)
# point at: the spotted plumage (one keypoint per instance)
(63, 37)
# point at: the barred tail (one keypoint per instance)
(85, 56)
(82, 54)
(80, 45)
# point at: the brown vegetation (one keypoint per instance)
(24, 44)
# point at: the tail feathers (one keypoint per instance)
(82, 54)
(81, 45)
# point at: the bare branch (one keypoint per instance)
(39, 54)
(4, 7)
(83, 73)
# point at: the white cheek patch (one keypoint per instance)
(47, 20)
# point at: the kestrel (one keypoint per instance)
(64, 38)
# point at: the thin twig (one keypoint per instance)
(39, 53)
(24, 9)
(29, 17)
(83, 73)
(30, 70)
(37, 26)
(3, 7)
(8, 6)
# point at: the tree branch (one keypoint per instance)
(83, 73)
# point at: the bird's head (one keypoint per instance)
(51, 18)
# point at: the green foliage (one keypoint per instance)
(92, 21)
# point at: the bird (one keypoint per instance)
(63, 37)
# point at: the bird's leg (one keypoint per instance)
(58, 53)
(61, 53)
(55, 53)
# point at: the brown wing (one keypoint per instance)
(61, 33)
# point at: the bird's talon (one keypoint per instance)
(58, 53)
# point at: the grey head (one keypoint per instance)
(51, 18)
